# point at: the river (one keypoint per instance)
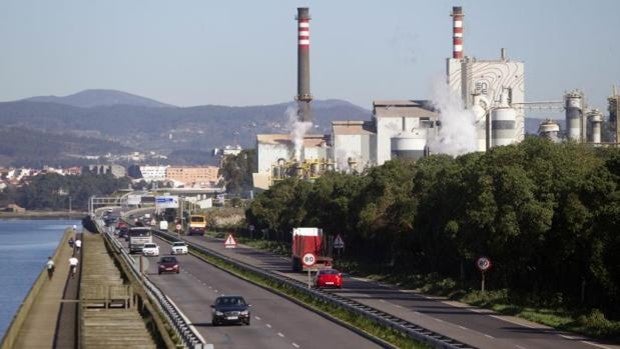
(24, 248)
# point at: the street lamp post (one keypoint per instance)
(69, 203)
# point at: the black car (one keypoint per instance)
(168, 264)
(230, 309)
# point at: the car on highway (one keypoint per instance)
(150, 249)
(230, 309)
(123, 232)
(328, 278)
(168, 264)
(179, 247)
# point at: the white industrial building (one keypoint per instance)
(492, 90)
(153, 173)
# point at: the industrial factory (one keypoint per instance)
(490, 96)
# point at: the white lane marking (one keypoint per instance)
(295, 345)
(381, 300)
(438, 320)
(398, 306)
(187, 321)
(280, 334)
(488, 336)
(268, 325)
(462, 328)
(211, 287)
(520, 347)
(565, 336)
(417, 313)
(596, 345)
(257, 318)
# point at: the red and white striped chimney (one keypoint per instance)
(457, 32)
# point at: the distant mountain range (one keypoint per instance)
(96, 122)
(131, 122)
(99, 98)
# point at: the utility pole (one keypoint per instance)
(69, 203)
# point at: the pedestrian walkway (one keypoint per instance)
(39, 327)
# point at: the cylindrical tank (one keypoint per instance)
(503, 126)
(549, 129)
(574, 113)
(409, 145)
(596, 119)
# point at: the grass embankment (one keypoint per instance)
(549, 312)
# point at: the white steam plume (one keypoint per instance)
(457, 134)
(298, 130)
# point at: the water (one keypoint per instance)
(24, 248)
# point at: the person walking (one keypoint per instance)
(50, 267)
(73, 262)
(78, 245)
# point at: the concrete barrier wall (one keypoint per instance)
(24, 309)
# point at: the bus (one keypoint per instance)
(138, 236)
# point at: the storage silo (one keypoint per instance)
(503, 123)
(549, 129)
(595, 117)
(574, 114)
(409, 145)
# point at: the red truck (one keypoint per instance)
(309, 240)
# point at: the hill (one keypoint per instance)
(166, 129)
(97, 98)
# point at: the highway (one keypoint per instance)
(276, 322)
(476, 327)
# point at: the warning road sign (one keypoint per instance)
(230, 242)
(338, 242)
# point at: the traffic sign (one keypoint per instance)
(230, 242)
(483, 263)
(338, 242)
(308, 259)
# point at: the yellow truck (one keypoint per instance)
(197, 224)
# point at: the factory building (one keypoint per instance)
(492, 89)
(353, 145)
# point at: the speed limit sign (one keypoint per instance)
(308, 259)
(483, 263)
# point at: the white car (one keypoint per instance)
(179, 247)
(150, 249)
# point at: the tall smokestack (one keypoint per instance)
(303, 64)
(457, 32)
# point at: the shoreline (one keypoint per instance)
(43, 215)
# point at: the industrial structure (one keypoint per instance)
(614, 115)
(492, 90)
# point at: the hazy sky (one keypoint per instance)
(195, 52)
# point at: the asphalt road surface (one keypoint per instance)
(473, 326)
(275, 322)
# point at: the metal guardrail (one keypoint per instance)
(412, 330)
(180, 327)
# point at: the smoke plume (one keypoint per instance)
(457, 134)
(298, 130)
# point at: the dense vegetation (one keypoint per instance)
(53, 191)
(548, 216)
(237, 171)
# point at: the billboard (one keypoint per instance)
(166, 202)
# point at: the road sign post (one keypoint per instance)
(483, 264)
(308, 261)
